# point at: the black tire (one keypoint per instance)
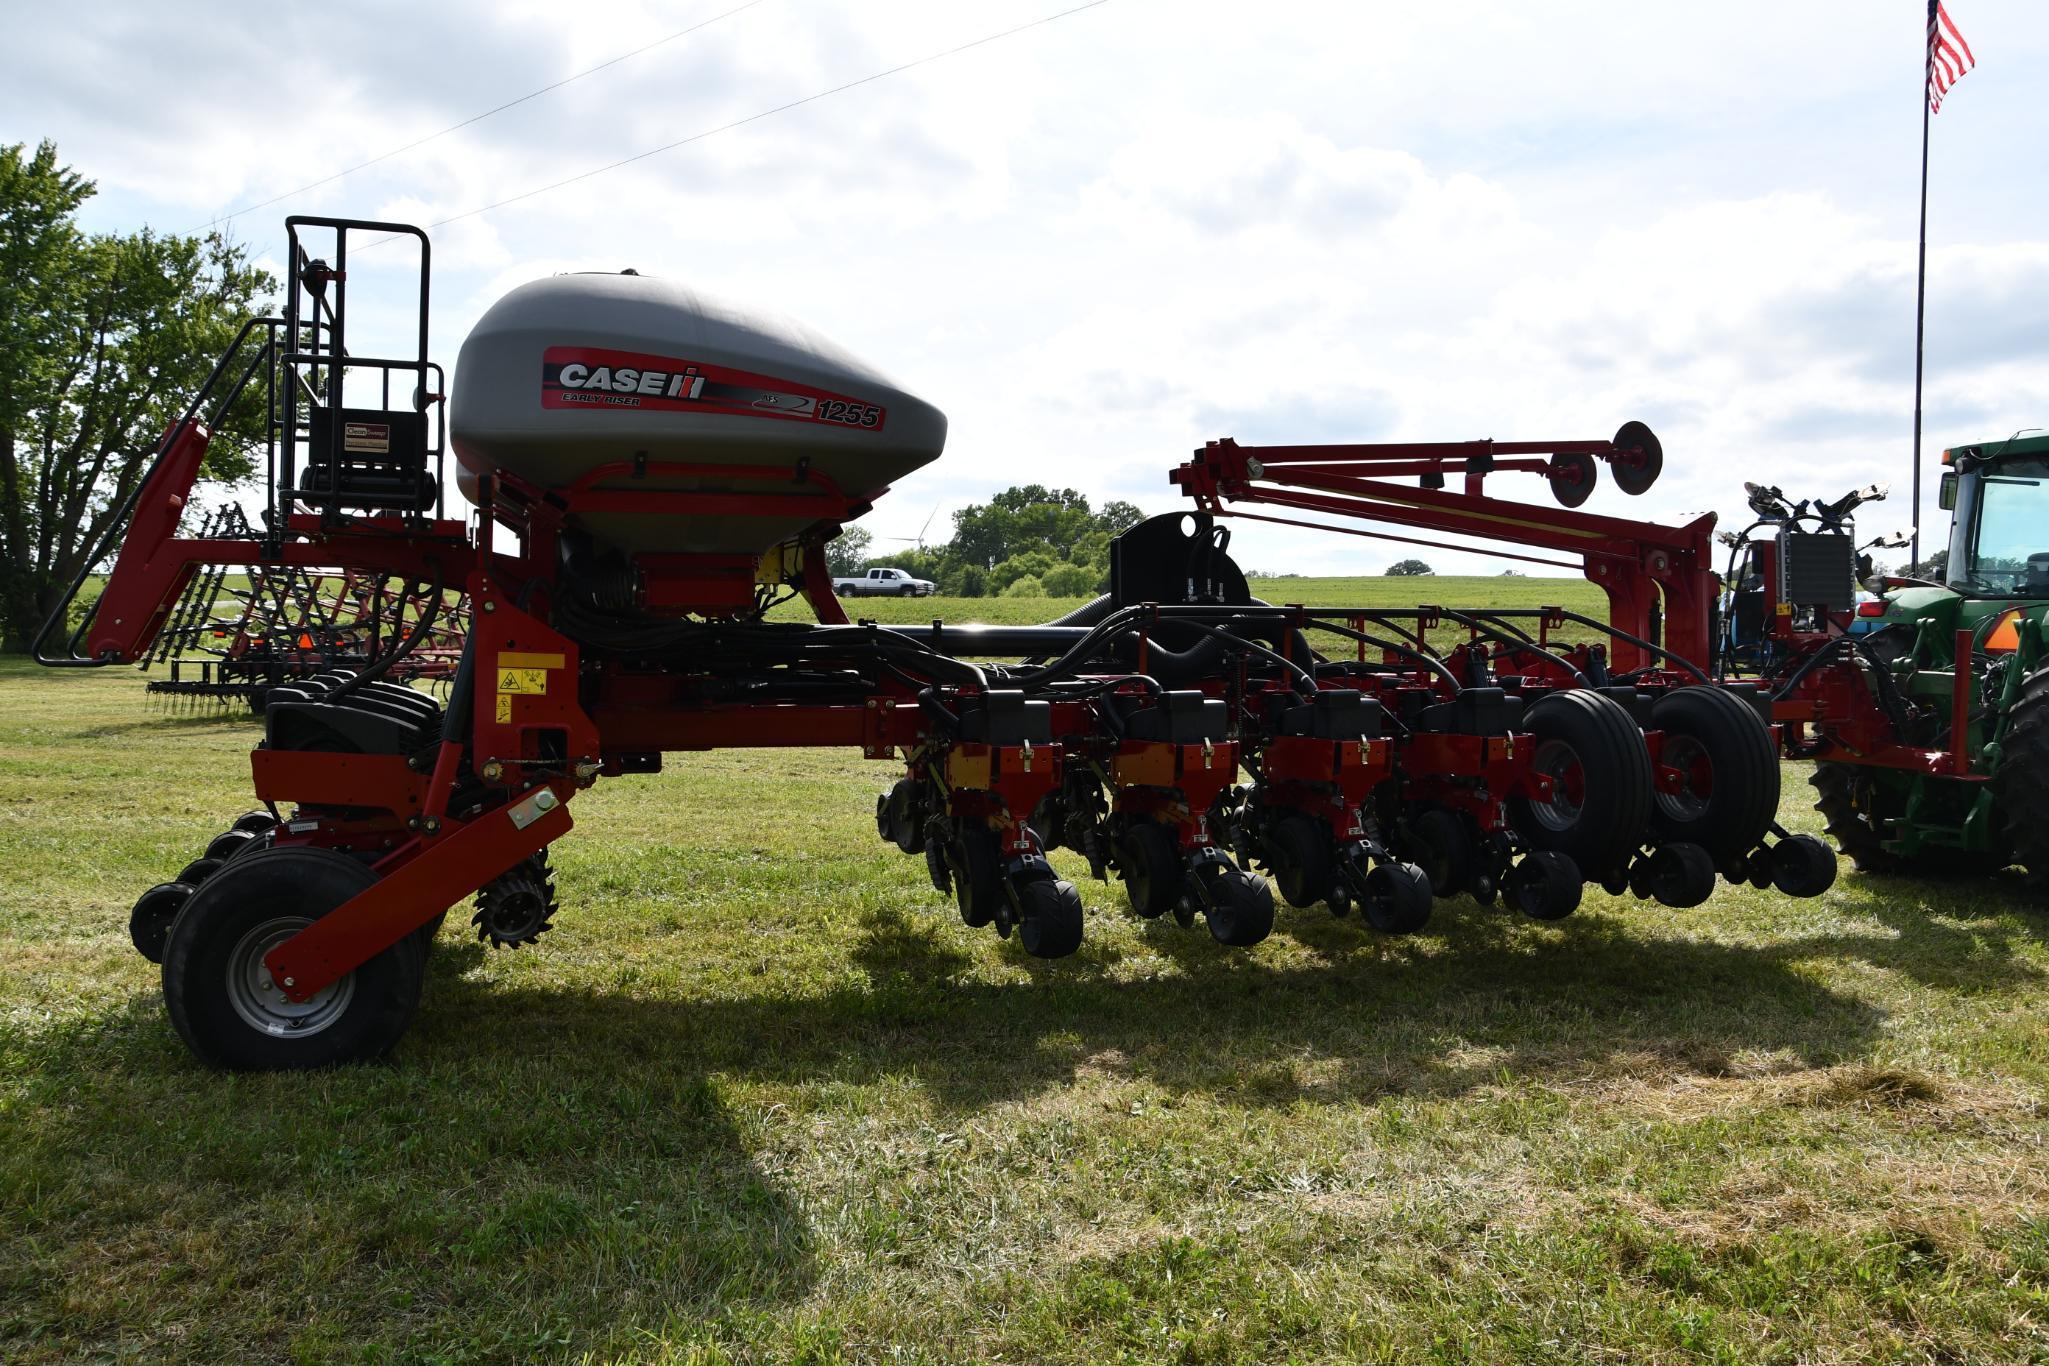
(907, 592)
(1545, 885)
(1397, 899)
(1049, 918)
(1803, 866)
(1149, 861)
(1300, 855)
(1239, 907)
(1600, 804)
(151, 918)
(429, 932)
(1732, 770)
(1443, 848)
(256, 822)
(1859, 809)
(977, 875)
(199, 870)
(1679, 875)
(2022, 782)
(223, 931)
(902, 817)
(227, 844)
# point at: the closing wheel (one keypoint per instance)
(1638, 460)
(1443, 848)
(1149, 860)
(1239, 906)
(1679, 875)
(1593, 756)
(1803, 866)
(1719, 785)
(977, 872)
(149, 923)
(1545, 885)
(1300, 854)
(899, 817)
(220, 996)
(1048, 917)
(1397, 898)
(1573, 475)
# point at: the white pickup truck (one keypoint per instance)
(883, 582)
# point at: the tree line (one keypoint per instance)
(1028, 541)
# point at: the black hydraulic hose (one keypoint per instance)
(1430, 662)
(1527, 643)
(1699, 675)
(407, 642)
(1808, 666)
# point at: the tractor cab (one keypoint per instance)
(1792, 576)
(1998, 494)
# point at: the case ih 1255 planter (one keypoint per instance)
(652, 474)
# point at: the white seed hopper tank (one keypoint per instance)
(565, 375)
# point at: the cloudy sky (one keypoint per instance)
(1098, 242)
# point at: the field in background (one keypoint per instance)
(760, 1094)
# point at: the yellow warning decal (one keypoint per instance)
(504, 709)
(533, 681)
(516, 659)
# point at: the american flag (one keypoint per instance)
(1949, 56)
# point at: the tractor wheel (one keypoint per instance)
(1150, 861)
(1545, 885)
(2022, 782)
(1858, 809)
(1048, 917)
(149, 923)
(1729, 773)
(1239, 906)
(1600, 773)
(1301, 860)
(1397, 899)
(1442, 847)
(220, 996)
(977, 875)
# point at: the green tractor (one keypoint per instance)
(1929, 713)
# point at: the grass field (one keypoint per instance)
(760, 1095)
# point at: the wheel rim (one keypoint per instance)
(1689, 758)
(1560, 763)
(262, 1004)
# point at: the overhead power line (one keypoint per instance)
(784, 108)
(496, 109)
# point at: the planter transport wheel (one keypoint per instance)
(1600, 774)
(220, 996)
(1720, 773)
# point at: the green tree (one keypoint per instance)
(104, 338)
(1026, 517)
(1026, 587)
(847, 555)
(1404, 569)
(1069, 581)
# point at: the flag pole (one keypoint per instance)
(1921, 280)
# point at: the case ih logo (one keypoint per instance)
(588, 377)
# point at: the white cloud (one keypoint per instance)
(1102, 241)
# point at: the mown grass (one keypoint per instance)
(760, 1095)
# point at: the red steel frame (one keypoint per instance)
(1641, 566)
